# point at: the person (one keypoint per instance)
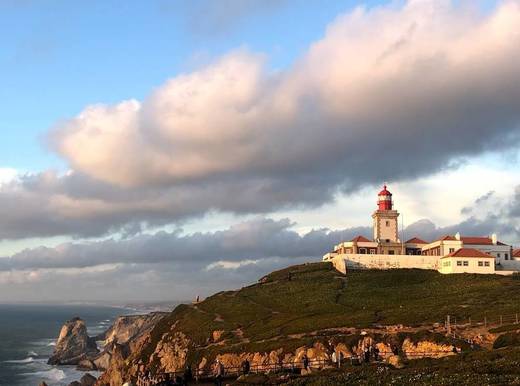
(367, 354)
(246, 367)
(376, 354)
(395, 350)
(305, 361)
(188, 375)
(333, 358)
(340, 359)
(219, 373)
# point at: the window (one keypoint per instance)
(465, 263)
(387, 223)
(452, 250)
(480, 263)
(506, 255)
(498, 254)
(486, 263)
(387, 240)
(459, 263)
(363, 251)
(372, 251)
(391, 252)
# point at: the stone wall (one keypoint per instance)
(344, 262)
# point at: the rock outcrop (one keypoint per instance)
(127, 329)
(73, 344)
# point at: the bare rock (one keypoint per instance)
(395, 360)
(73, 344)
(88, 380)
(86, 365)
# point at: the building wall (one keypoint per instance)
(386, 225)
(449, 265)
(499, 251)
(343, 262)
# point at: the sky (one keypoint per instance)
(185, 147)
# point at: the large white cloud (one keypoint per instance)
(427, 81)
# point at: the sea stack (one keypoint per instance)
(73, 344)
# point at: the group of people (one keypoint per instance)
(366, 354)
(168, 379)
(370, 352)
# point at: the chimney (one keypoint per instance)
(494, 238)
(457, 236)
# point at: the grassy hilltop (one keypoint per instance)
(308, 298)
(312, 305)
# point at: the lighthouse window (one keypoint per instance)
(387, 223)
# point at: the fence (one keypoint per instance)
(486, 321)
(281, 367)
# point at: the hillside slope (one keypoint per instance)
(299, 305)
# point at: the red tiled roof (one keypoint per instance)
(360, 239)
(479, 240)
(447, 237)
(416, 240)
(468, 252)
(476, 240)
(516, 253)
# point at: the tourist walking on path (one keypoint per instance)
(246, 367)
(305, 362)
(376, 354)
(188, 375)
(219, 373)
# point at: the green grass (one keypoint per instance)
(311, 297)
(478, 368)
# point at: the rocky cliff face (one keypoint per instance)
(128, 328)
(73, 344)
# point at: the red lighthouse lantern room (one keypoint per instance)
(384, 199)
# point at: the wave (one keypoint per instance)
(26, 360)
(32, 354)
(51, 344)
(52, 374)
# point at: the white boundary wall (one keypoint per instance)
(343, 262)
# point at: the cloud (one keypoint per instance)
(386, 94)
(251, 240)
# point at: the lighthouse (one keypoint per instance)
(385, 218)
(384, 199)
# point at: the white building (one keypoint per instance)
(448, 254)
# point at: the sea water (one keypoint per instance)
(28, 334)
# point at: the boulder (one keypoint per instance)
(88, 380)
(42, 384)
(75, 383)
(395, 360)
(102, 361)
(73, 344)
(86, 365)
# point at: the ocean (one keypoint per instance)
(27, 336)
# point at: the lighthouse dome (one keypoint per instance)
(384, 192)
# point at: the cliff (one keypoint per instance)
(311, 309)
